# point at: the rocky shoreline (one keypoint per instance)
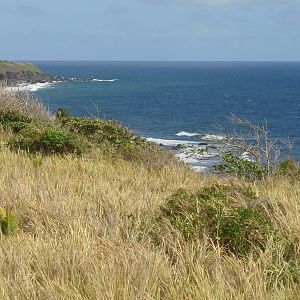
(14, 78)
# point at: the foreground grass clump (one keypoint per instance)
(230, 215)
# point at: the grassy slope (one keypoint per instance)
(77, 241)
(80, 234)
(15, 67)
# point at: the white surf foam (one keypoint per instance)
(104, 80)
(201, 158)
(165, 142)
(247, 156)
(31, 87)
(212, 138)
(200, 169)
(185, 133)
(38, 86)
(187, 159)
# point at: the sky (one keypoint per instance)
(172, 30)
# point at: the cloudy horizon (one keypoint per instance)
(173, 30)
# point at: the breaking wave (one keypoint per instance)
(185, 133)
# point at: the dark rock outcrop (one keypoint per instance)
(13, 78)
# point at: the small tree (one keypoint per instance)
(255, 139)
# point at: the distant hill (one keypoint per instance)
(18, 72)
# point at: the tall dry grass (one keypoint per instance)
(79, 236)
(22, 101)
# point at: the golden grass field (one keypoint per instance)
(79, 235)
(76, 241)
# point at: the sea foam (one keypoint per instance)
(104, 80)
(185, 133)
(212, 138)
(173, 143)
(31, 87)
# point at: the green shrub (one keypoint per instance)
(98, 130)
(238, 225)
(240, 167)
(14, 120)
(47, 140)
(8, 221)
(76, 134)
(113, 139)
(8, 116)
(288, 168)
(62, 112)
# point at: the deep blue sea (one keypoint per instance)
(162, 99)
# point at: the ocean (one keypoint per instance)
(167, 102)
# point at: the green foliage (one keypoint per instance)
(77, 135)
(8, 222)
(98, 130)
(7, 116)
(113, 139)
(14, 120)
(289, 168)
(240, 167)
(62, 113)
(47, 140)
(239, 226)
(283, 271)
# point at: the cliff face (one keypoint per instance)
(13, 73)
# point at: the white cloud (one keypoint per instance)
(213, 2)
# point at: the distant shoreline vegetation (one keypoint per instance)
(12, 73)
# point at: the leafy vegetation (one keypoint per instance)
(14, 120)
(213, 210)
(77, 135)
(288, 168)
(241, 167)
(47, 140)
(62, 112)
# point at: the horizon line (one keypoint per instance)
(163, 61)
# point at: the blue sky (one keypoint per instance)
(150, 30)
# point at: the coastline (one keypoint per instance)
(30, 87)
(201, 155)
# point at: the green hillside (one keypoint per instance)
(8, 66)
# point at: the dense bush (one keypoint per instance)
(47, 140)
(77, 135)
(98, 130)
(113, 139)
(238, 225)
(14, 120)
(241, 167)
